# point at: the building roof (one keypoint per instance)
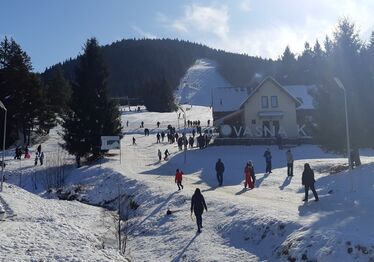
(303, 94)
(269, 78)
(228, 99)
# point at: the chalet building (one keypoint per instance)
(269, 110)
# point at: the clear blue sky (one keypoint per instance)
(51, 31)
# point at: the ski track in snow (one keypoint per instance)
(196, 85)
(253, 225)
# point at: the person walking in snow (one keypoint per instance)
(191, 141)
(308, 182)
(220, 168)
(27, 154)
(39, 149)
(159, 154)
(162, 136)
(197, 206)
(167, 154)
(127, 123)
(142, 124)
(41, 158)
(249, 174)
(178, 178)
(268, 157)
(36, 158)
(158, 138)
(289, 157)
(133, 141)
(158, 124)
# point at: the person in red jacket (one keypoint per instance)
(248, 173)
(178, 178)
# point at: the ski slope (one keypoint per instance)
(268, 223)
(196, 86)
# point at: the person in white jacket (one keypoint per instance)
(289, 157)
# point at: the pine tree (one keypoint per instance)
(21, 91)
(58, 92)
(91, 115)
(158, 96)
(343, 61)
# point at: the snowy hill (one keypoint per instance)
(196, 86)
(268, 223)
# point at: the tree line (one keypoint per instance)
(151, 69)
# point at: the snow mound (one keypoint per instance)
(197, 84)
(51, 230)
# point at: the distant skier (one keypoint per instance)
(133, 141)
(159, 154)
(178, 178)
(208, 122)
(197, 206)
(289, 157)
(268, 157)
(166, 155)
(249, 174)
(162, 136)
(127, 123)
(220, 168)
(308, 182)
(142, 124)
(158, 124)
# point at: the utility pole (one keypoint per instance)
(3, 156)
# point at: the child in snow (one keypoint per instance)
(36, 158)
(248, 173)
(178, 179)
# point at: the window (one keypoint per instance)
(274, 101)
(264, 102)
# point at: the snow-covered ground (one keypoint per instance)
(196, 86)
(268, 223)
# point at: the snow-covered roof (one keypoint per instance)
(271, 79)
(228, 99)
(302, 93)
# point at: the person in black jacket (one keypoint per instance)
(197, 206)
(308, 182)
(220, 168)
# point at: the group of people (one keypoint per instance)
(250, 177)
(39, 155)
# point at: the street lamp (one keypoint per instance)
(340, 84)
(2, 162)
(184, 133)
